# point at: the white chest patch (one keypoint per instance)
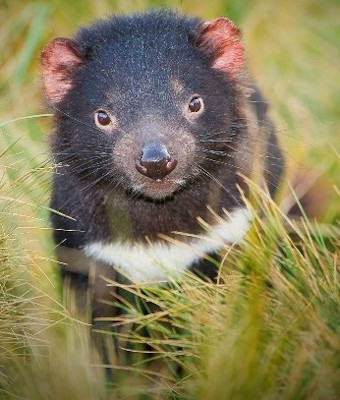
(160, 261)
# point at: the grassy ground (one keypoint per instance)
(270, 328)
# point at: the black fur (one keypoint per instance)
(130, 62)
(130, 65)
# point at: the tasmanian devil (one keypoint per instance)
(156, 125)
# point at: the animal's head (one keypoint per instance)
(148, 102)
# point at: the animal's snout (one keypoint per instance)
(155, 161)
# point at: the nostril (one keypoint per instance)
(141, 168)
(155, 161)
(171, 165)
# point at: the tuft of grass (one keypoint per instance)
(278, 330)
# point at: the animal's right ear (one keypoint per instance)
(61, 59)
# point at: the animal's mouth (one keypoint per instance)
(158, 189)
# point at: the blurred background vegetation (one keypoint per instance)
(294, 54)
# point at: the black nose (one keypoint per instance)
(155, 161)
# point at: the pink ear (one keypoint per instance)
(60, 60)
(220, 40)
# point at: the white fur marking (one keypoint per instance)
(152, 262)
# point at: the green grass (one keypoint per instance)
(270, 328)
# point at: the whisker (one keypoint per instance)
(224, 188)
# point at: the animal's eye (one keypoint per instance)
(195, 104)
(102, 118)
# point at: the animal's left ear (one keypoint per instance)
(220, 39)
